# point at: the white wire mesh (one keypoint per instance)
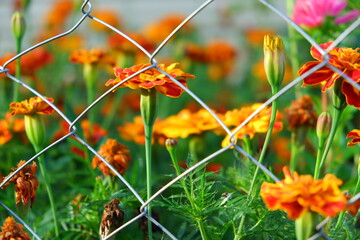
(86, 10)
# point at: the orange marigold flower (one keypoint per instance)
(114, 153)
(12, 230)
(354, 135)
(25, 182)
(107, 15)
(299, 194)
(255, 37)
(92, 132)
(346, 60)
(301, 113)
(58, 14)
(259, 124)
(5, 133)
(186, 123)
(32, 106)
(92, 56)
(119, 43)
(152, 78)
(158, 31)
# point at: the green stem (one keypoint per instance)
(266, 143)
(48, 188)
(336, 119)
(294, 151)
(202, 229)
(320, 151)
(294, 60)
(148, 108)
(241, 225)
(115, 105)
(90, 99)
(17, 71)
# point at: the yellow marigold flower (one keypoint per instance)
(92, 56)
(31, 106)
(133, 131)
(152, 78)
(301, 113)
(12, 230)
(114, 153)
(259, 124)
(297, 195)
(5, 133)
(107, 15)
(26, 183)
(354, 135)
(186, 123)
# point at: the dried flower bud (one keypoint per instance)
(35, 129)
(18, 26)
(12, 230)
(323, 125)
(112, 218)
(274, 60)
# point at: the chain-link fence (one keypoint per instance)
(86, 10)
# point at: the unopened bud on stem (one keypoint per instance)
(274, 60)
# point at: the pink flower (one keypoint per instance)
(312, 13)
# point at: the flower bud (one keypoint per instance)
(323, 125)
(274, 60)
(18, 26)
(171, 144)
(35, 129)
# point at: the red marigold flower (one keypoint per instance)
(354, 135)
(31, 106)
(346, 60)
(25, 182)
(114, 153)
(92, 132)
(152, 78)
(299, 194)
(12, 230)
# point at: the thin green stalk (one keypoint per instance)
(294, 151)
(336, 119)
(261, 158)
(320, 152)
(17, 71)
(266, 143)
(148, 149)
(294, 60)
(115, 105)
(48, 189)
(90, 99)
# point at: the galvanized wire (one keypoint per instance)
(153, 64)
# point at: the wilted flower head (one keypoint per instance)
(31, 106)
(25, 182)
(313, 13)
(114, 153)
(301, 113)
(111, 219)
(354, 135)
(298, 194)
(347, 60)
(12, 230)
(152, 78)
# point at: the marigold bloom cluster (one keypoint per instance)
(12, 230)
(92, 56)
(152, 78)
(301, 113)
(259, 124)
(25, 182)
(116, 154)
(31, 106)
(297, 194)
(354, 135)
(346, 60)
(313, 13)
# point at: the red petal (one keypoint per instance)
(352, 94)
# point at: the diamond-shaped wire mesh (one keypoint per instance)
(86, 10)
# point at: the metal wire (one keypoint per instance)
(153, 64)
